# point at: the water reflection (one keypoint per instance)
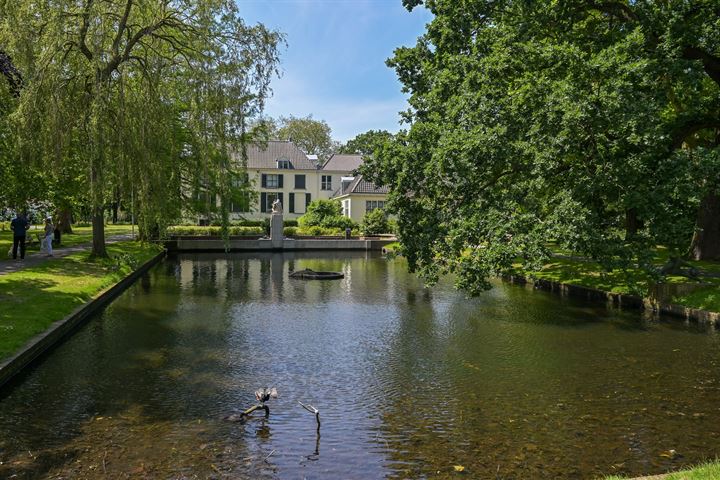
(410, 381)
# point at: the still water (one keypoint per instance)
(410, 382)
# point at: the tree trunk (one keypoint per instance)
(98, 230)
(64, 220)
(632, 224)
(706, 240)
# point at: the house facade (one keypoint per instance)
(281, 171)
(359, 196)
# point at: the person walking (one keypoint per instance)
(49, 231)
(19, 226)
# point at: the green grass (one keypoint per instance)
(589, 274)
(34, 298)
(705, 299)
(392, 247)
(708, 471)
(80, 235)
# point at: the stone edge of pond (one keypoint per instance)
(618, 299)
(43, 342)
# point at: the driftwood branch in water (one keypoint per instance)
(256, 407)
(314, 411)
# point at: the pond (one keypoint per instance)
(410, 381)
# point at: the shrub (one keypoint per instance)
(290, 223)
(247, 231)
(318, 231)
(290, 231)
(194, 230)
(325, 214)
(375, 222)
(248, 223)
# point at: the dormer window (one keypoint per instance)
(284, 164)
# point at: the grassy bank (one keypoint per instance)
(704, 294)
(708, 471)
(635, 282)
(34, 298)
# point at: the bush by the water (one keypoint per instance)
(193, 230)
(375, 222)
(290, 231)
(325, 214)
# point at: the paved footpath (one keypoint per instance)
(36, 258)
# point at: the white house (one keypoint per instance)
(280, 170)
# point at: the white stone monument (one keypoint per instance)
(276, 225)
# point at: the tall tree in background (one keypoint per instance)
(312, 136)
(591, 123)
(366, 143)
(106, 90)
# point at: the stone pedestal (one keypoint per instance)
(276, 230)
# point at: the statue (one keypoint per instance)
(276, 206)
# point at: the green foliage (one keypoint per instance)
(366, 143)
(564, 120)
(316, 231)
(325, 214)
(192, 230)
(375, 222)
(290, 223)
(312, 136)
(154, 108)
(290, 231)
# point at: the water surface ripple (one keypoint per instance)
(410, 381)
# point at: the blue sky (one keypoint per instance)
(334, 64)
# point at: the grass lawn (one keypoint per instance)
(635, 282)
(34, 298)
(708, 471)
(79, 235)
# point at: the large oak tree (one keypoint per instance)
(592, 123)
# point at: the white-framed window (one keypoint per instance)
(284, 164)
(346, 207)
(371, 205)
(326, 182)
(272, 181)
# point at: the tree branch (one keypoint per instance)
(121, 28)
(711, 63)
(84, 30)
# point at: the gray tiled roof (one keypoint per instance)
(267, 157)
(340, 162)
(360, 185)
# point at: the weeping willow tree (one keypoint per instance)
(143, 98)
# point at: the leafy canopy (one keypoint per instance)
(588, 123)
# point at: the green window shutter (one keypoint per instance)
(263, 200)
(263, 181)
(291, 203)
(280, 181)
(307, 200)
